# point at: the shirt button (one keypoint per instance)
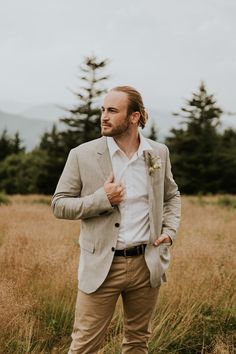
(113, 249)
(117, 224)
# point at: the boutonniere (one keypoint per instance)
(153, 162)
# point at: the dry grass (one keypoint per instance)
(38, 261)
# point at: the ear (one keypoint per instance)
(135, 116)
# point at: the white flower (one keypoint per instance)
(153, 162)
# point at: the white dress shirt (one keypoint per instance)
(134, 209)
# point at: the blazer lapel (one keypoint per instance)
(149, 177)
(104, 159)
(150, 194)
(153, 169)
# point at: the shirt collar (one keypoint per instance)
(144, 145)
(113, 147)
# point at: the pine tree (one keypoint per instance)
(228, 161)
(83, 124)
(10, 145)
(52, 144)
(17, 146)
(153, 133)
(84, 119)
(195, 148)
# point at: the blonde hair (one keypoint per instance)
(135, 103)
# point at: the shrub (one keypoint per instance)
(4, 200)
(227, 201)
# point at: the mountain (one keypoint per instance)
(44, 111)
(36, 119)
(14, 107)
(30, 130)
(47, 111)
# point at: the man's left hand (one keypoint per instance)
(162, 239)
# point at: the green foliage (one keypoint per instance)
(227, 201)
(227, 162)
(54, 317)
(202, 334)
(10, 145)
(55, 150)
(4, 200)
(201, 160)
(44, 201)
(83, 125)
(84, 119)
(19, 173)
(39, 170)
(58, 316)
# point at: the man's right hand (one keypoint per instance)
(114, 191)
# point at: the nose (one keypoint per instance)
(104, 116)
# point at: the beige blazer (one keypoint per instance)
(80, 195)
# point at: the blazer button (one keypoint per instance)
(117, 224)
(113, 249)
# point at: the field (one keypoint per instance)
(196, 311)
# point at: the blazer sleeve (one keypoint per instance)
(172, 202)
(67, 202)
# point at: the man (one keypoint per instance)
(122, 189)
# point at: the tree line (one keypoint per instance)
(203, 157)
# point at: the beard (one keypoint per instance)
(113, 131)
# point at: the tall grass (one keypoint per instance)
(195, 312)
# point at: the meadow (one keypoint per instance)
(196, 310)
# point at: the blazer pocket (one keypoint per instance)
(87, 245)
(164, 252)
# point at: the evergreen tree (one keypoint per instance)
(17, 146)
(19, 172)
(5, 145)
(84, 120)
(195, 148)
(228, 161)
(10, 145)
(83, 125)
(153, 133)
(53, 145)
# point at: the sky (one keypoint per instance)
(162, 48)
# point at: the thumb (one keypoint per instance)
(110, 178)
(158, 241)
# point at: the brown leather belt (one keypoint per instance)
(132, 251)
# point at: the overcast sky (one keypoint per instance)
(164, 48)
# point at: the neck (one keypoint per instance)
(128, 143)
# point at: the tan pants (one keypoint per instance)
(130, 278)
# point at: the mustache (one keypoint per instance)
(106, 124)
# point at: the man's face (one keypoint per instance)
(114, 119)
